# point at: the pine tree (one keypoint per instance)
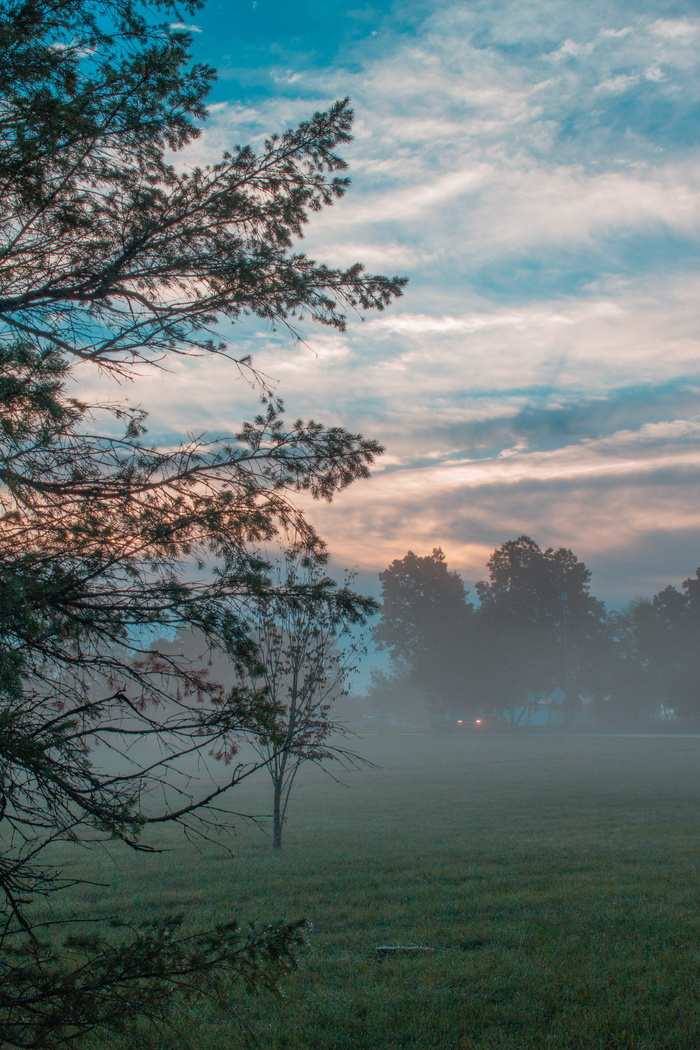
(111, 256)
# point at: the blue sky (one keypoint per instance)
(533, 167)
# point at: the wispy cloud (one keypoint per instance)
(605, 499)
(533, 166)
(185, 26)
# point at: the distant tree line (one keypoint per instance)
(535, 630)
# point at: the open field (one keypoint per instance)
(556, 878)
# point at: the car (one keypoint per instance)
(456, 722)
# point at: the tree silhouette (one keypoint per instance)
(661, 648)
(538, 622)
(426, 621)
(307, 654)
(112, 257)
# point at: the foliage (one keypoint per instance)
(110, 253)
(525, 584)
(110, 256)
(537, 627)
(136, 983)
(540, 625)
(307, 653)
(425, 622)
(465, 659)
(659, 643)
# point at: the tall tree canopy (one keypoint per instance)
(111, 255)
(536, 627)
(425, 622)
(659, 651)
(525, 585)
(539, 622)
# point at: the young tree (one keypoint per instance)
(307, 654)
(112, 257)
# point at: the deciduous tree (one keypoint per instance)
(659, 641)
(539, 623)
(307, 652)
(425, 621)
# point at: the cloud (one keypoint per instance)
(676, 29)
(483, 380)
(532, 165)
(616, 85)
(604, 502)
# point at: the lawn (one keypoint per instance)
(555, 880)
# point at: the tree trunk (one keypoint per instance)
(277, 818)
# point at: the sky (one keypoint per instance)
(533, 167)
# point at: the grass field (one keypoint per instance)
(557, 880)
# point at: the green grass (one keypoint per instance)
(556, 878)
